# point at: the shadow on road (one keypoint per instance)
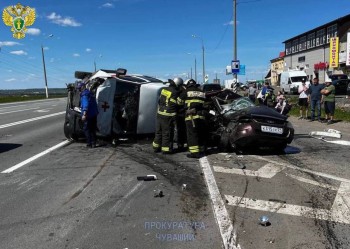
(8, 147)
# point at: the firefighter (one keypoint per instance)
(166, 118)
(180, 118)
(194, 99)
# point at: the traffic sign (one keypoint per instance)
(235, 66)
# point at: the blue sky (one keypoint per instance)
(154, 37)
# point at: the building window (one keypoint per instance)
(295, 46)
(332, 31)
(311, 40)
(301, 59)
(320, 37)
(288, 48)
(302, 44)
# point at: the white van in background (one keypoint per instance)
(291, 80)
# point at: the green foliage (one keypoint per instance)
(340, 113)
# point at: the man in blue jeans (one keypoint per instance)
(314, 99)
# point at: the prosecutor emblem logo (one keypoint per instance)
(18, 18)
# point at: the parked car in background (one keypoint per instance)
(127, 104)
(210, 87)
(341, 86)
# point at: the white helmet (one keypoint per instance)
(178, 81)
(186, 82)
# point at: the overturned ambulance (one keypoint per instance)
(127, 104)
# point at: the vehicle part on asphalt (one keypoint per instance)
(325, 134)
(264, 221)
(158, 193)
(147, 178)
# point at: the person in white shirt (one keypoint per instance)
(303, 103)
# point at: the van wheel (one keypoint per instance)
(68, 131)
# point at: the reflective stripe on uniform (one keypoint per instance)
(194, 149)
(180, 101)
(189, 101)
(191, 94)
(194, 117)
(155, 145)
(169, 114)
(165, 149)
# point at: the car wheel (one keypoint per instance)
(68, 131)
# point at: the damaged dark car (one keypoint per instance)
(237, 123)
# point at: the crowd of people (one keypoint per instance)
(310, 96)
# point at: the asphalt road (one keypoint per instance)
(73, 197)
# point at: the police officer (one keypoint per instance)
(194, 99)
(180, 118)
(166, 118)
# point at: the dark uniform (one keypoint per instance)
(194, 99)
(166, 118)
(180, 124)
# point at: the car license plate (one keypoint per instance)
(271, 129)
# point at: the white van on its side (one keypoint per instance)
(291, 80)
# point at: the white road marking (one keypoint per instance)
(6, 107)
(30, 120)
(19, 165)
(303, 170)
(44, 110)
(223, 219)
(341, 204)
(323, 185)
(267, 171)
(341, 142)
(29, 101)
(19, 110)
(289, 209)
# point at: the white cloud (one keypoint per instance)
(9, 43)
(88, 50)
(9, 80)
(230, 23)
(33, 31)
(10, 70)
(19, 52)
(63, 21)
(108, 5)
(76, 55)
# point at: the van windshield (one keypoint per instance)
(297, 78)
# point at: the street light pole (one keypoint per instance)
(234, 87)
(195, 36)
(195, 67)
(43, 57)
(95, 61)
(46, 89)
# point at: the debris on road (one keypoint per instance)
(184, 186)
(264, 220)
(158, 193)
(327, 133)
(147, 178)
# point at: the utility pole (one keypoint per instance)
(42, 54)
(234, 87)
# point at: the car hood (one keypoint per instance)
(260, 111)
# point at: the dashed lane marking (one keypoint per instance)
(30, 120)
(19, 110)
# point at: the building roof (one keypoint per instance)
(347, 17)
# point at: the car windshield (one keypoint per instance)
(297, 78)
(238, 104)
